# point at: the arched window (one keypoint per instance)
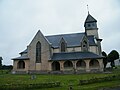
(21, 65)
(68, 64)
(94, 63)
(81, 63)
(56, 66)
(63, 46)
(38, 52)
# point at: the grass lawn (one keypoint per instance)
(65, 80)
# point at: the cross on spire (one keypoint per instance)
(88, 9)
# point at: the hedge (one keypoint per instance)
(29, 86)
(97, 80)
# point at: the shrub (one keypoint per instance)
(96, 80)
(29, 86)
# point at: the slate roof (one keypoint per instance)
(91, 40)
(74, 56)
(90, 19)
(21, 58)
(25, 51)
(71, 39)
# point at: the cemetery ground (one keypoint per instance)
(89, 81)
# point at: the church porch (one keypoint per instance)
(76, 62)
(77, 66)
(20, 65)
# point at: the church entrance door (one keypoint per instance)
(56, 66)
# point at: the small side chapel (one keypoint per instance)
(64, 53)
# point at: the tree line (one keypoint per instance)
(111, 57)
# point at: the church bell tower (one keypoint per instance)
(91, 29)
(91, 26)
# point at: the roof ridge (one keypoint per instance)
(76, 52)
(65, 34)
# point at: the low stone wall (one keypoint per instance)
(37, 72)
(56, 72)
(80, 71)
(18, 72)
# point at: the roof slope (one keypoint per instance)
(90, 19)
(91, 40)
(25, 51)
(21, 58)
(71, 39)
(74, 56)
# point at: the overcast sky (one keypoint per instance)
(21, 19)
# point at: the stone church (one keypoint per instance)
(64, 53)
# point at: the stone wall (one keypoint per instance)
(45, 53)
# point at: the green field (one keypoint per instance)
(65, 80)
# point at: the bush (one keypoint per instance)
(96, 80)
(29, 86)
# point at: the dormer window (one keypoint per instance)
(85, 46)
(63, 46)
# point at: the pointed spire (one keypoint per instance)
(90, 19)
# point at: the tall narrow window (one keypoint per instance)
(38, 52)
(85, 46)
(63, 46)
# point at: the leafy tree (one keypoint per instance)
(104, 59)
(7, 67)
(112, 56)
(0, 64)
